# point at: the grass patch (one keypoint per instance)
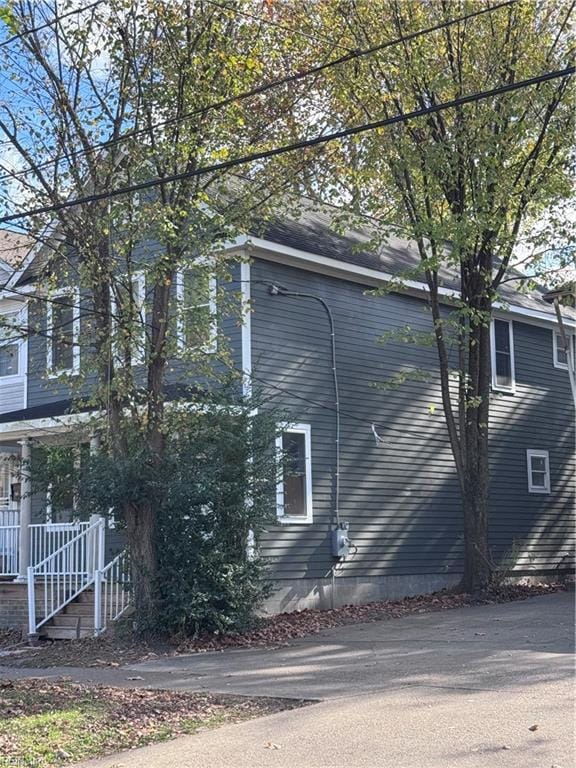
(45, 723)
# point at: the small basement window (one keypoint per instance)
(502, 349)
(538, 471)
(294, 487)
(560, 351)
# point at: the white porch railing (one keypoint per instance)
(64, 574)
(111, 592)
(9, 542)
(45, 539)
(48, 538)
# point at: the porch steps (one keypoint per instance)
(75, 620)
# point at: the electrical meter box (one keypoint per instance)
(341, 540)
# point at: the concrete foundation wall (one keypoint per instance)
(299, 594)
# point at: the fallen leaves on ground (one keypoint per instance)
(58, 722)
(280, 629)
(9, 638)
(109, 650)
(116, 649)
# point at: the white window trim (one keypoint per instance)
(211, 345)
(541, 455)
(22, 343)
(300, 429)
(571, 341)
(499, 387)
(138, 355)
(74, 296)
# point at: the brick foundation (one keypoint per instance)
(13, 605)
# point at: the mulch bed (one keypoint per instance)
(116, 649)
(53, 723)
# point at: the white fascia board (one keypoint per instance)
(509, 311)
(266, 249)
(50, 425)
(55, 424)
(270, 250)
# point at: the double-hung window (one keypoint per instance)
(63, 333)
(560, 351)
(294, 486)
(502, 349)
(128, 306)
(10, 345)
(196, 310)
(538, 471)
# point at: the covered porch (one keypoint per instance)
(30, 528)
(50, 558)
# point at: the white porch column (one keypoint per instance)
(25, 509)
(94, 444)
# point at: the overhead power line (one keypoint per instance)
(50, 23)
(304, 144)
(265, 87)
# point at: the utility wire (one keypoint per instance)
(265, 87)
(50, 23)
(304, 144)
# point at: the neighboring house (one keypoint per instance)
(398, 489)
(13, 309)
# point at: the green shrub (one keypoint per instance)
(212, 484)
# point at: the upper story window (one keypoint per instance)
(294, 487)
(63, 332)
(197, 312)
(10, 346)
(538, 471)
(502, 349)
(560, 351)
(128, 306)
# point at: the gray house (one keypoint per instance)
(398, 490)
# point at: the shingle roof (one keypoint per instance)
(313, 231)
(14, 246)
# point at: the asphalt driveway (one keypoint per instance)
(480, 687)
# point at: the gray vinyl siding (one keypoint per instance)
(402, 498)
(538, 416)
(12, 394)
(42, 389)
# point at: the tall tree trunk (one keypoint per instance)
(140, 519)
(477, 569)
(141, 532)
(475, 481)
